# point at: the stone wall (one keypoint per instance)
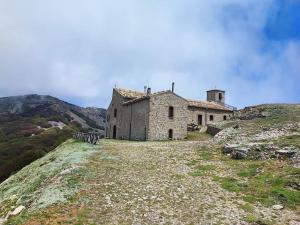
(159, 121)
(116, 103)
(134, 121)
(218, 115)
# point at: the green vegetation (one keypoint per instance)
(264, 183)
(293, 140)
(247, 207)
(24, 139)
(203, 170)
(37, 184)
(197, 136)
(205, 153)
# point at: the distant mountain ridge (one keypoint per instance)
(45, 105)
(33, 125)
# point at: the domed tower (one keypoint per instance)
(216, 95)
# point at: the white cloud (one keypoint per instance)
(80, 50)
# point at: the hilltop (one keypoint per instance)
(169, 182)
(33, 125)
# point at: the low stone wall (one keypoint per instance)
(213, 130)
(91, 138)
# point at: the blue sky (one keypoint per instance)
(79, 50)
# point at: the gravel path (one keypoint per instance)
(150, 183)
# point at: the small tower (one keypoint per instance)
(216, 96)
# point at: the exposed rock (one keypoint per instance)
(18, 210)
(277, 207)
(2, 221)
(288, 152)
(293, 185)
(229, 148)
(240, 153)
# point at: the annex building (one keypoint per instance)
(164, 115)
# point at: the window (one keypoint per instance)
(220, 96)
(115, 113)
(170, 134)
(211, 118)
(108, 117)
(225, 117)
(171, 112)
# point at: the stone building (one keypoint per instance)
(164, 115)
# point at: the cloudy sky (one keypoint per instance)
(79, 50)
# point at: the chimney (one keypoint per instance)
(149, 91)
(173, 85)
(145, 89)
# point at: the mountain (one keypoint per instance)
(33, 125)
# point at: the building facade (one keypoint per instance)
(164, 115)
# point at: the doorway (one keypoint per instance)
(115, 132)
(200, 120)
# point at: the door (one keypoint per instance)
(200, 120)
(115, 132)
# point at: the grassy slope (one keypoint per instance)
(49, 180)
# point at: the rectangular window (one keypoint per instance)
(115, 113)
(211, 118)
(220, 96)
(171, 112)
(170, 134)
(225, 117)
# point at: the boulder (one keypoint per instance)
(18, 210)
(277, 207)
(229, 148)
(288, 152)
(240, 153)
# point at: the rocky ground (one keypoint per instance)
(159, 183)
(167, 182)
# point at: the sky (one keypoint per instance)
(79, 50)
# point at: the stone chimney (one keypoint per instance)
(149, 91)
(173, 85)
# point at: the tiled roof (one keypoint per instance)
(129, 93)
(136, 96)
(208, 105)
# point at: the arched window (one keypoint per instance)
(115, 113)
(224, 117)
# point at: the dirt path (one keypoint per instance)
(155, 183)
(150, 183)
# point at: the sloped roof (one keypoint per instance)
(208, 105)
(129, 93)
(146, 97)
(136, 96)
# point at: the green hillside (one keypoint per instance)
(33, 125)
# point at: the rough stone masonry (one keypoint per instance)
(163, 115)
